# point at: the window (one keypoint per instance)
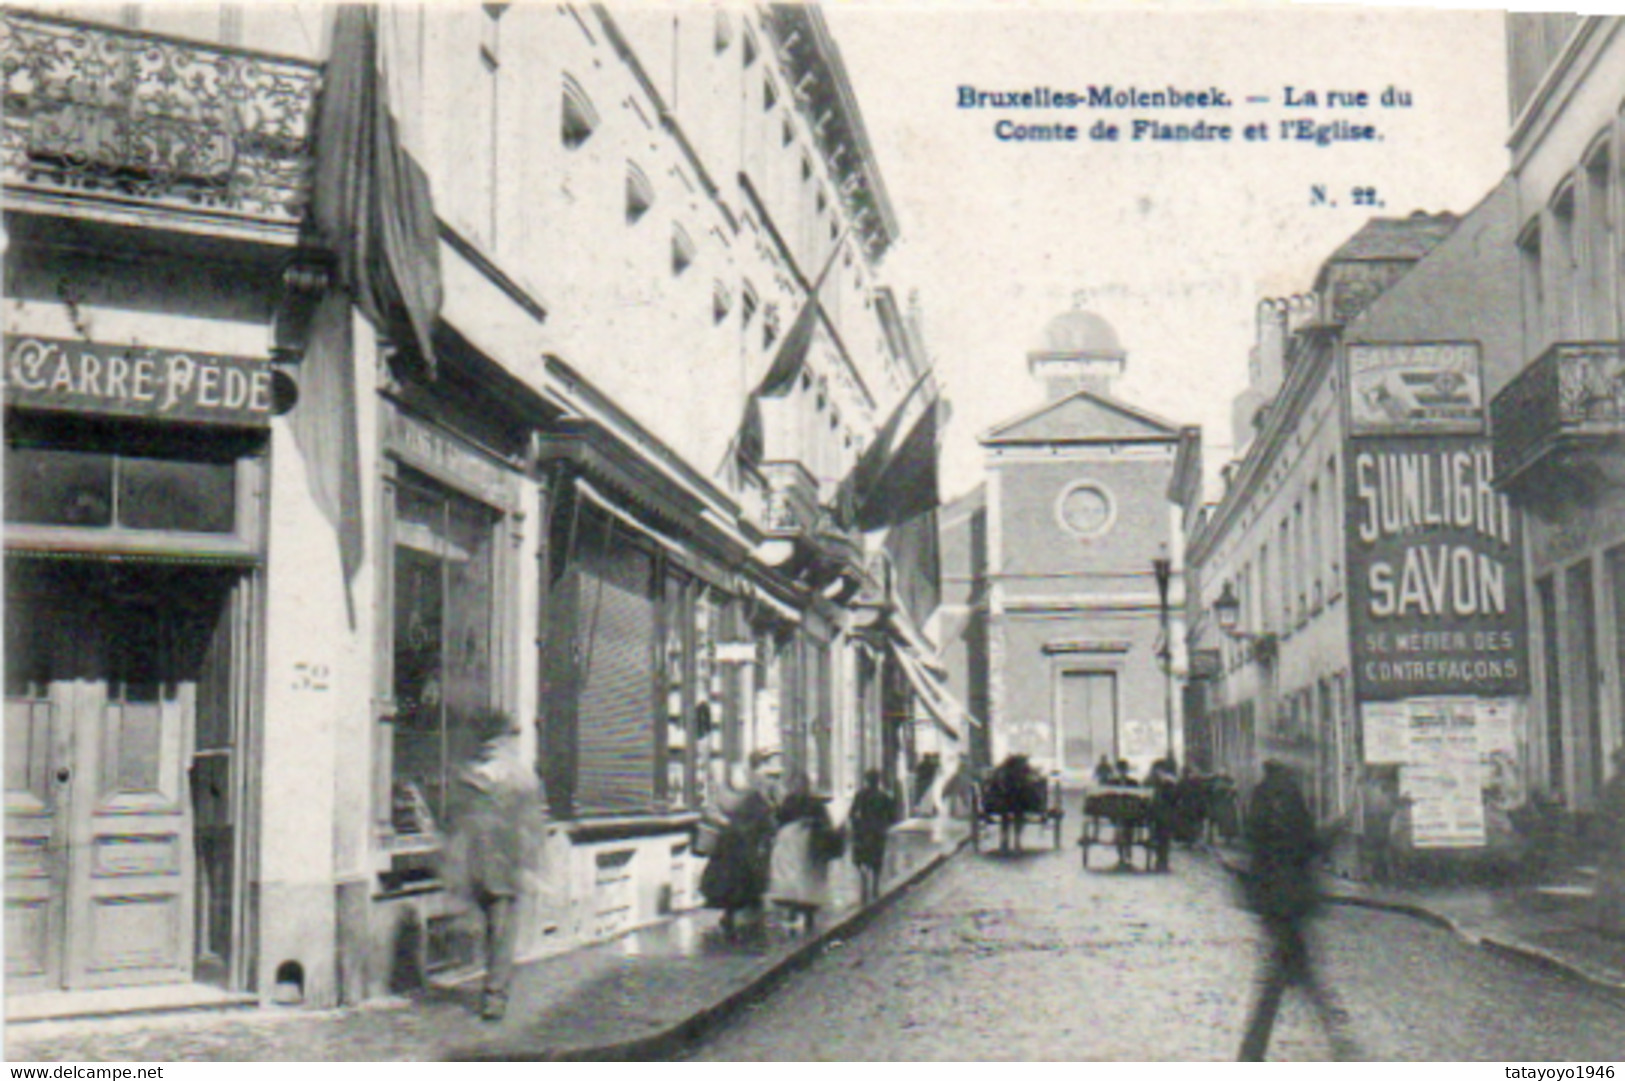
(1085, 509)
(747, 305)
(1313, 559)
(770, 97)
(721, 302)
(92, 476)
(1599, 239)
(1531, 269)
(787, 133)
(722, 32)
(749, 49)
(640, 195)
(580, 119)
(682, 250)
(1564, 268)
(444, 671)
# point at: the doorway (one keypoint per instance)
(120, 778)
(1088, 719)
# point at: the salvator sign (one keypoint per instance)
(137, 381)
(1435, 571)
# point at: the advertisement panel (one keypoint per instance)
(1415, 387)
(1436, 600)
(1443, 776)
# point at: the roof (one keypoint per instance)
(1083, 417)
(1079, 331)
(1396, 238)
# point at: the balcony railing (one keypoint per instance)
(792, 499)
(139, 118)
(1559, 411)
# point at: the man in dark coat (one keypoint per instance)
(1161, 780)
(1280, 889)
(497, 810)
(873, 812)
(736, 876)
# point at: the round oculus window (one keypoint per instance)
(1086, 510)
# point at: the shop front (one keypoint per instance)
(133, 563)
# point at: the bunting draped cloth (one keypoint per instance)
(370, 202)
(787, 364)
(896, 478)
(370, 209)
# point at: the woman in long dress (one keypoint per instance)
(801, 852)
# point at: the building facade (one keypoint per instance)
(1558, 415)
(1051, 569)
(354, 386)
(1380, 632)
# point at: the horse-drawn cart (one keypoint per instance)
(1127, 811)
(1012, 797)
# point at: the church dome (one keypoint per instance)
(1079, 331)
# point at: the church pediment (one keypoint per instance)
(1083, 417)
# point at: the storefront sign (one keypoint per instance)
(1422, 387)
(736, 652)
(448, 459)
(137, 381)
(1435, 572)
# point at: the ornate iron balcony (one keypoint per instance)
(1560, 424)
(792, 500)
(139, 118)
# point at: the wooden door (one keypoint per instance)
(101, 690)
(130, 868)
(37, 701)
(1088, 719)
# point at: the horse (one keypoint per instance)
(1014, 790)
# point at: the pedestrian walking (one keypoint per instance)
(736, 875)
(871, 818)
(803, 847)
(1283, 847)
(1104, 773)
(1162, 781)
(496, 811)
(1611, 859)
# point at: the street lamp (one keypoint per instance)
(1163, 567)
(1227, 610)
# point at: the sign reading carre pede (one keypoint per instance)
(136, 381)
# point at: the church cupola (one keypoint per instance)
(1080, 351)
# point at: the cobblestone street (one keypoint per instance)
(1029, 958)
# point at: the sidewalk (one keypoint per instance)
(645, 995)
(1550, 925)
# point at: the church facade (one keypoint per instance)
(1070, 646)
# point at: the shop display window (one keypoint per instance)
(443, 645)
(103, 477)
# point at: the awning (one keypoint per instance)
(682, 554)
(946, 710)
(903, 629)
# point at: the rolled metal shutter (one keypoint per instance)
(615, 641)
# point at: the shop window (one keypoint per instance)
(443, 645)
(98, 489)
